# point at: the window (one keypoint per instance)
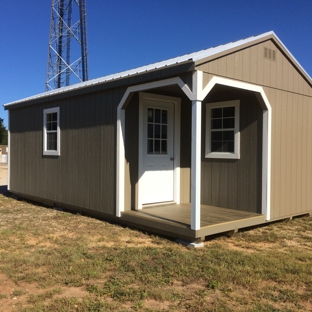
(157, 126)
(222, 130)
(51, 131)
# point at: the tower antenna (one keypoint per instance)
(68, 53)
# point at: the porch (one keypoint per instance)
(174, 220)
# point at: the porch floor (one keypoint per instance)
(174, 220)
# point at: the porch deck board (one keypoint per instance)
(174, 220)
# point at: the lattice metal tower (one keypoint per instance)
(68, 53)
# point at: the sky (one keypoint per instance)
(125, 34)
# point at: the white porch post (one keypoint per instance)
(196, 149)
(195, 166)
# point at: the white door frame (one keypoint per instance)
(176, 142)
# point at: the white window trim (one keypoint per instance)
(45, 151)
(224, 155)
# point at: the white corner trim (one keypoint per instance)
(196, 165)
(120, 168)
(266, 137)
(120, 183)
(177, 151)
(9, 153)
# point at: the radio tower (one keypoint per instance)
(68, 53)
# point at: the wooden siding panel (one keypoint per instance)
(230, 66)
(291, 154)
(276, 155)
(245, 64)
(281, 157)
(304, 152)
(308, 169)
(273, 68)
(238, 73)
(86, 165)
(250, 65)
(253, 60)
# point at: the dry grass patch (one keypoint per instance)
(57, 261)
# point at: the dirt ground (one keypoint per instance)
(3, 174)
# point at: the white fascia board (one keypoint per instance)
(292, 57)
(192, 57)
(9, 153)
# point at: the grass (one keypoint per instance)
(57, 261)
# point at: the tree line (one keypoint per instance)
(3, 133)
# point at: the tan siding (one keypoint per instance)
(250, 65)
(291, 153)
(246, 69)
(230, 66)
(185, 186)
(309, 152)
(253, 60)
(84, 174)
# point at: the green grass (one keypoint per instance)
(70, 262)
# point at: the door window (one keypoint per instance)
(157, 131)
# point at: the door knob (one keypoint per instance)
(171, 158)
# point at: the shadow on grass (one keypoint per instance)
(3, 189)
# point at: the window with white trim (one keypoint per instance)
(51, 131)
(222, 130)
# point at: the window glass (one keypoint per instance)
(51, 136)
(157, 131)
(222, 130)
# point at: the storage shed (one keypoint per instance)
(204, 143)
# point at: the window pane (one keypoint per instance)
(54, 117)
(228, 135)
(51, 121)
(216, 124)
(229, 111)
(49, 126)
(157, 131)
(228, 147)
(150, 115)
(164, 147)
(150, 132)
(164, 117)
(150, 147)
(216, 136)
(216, 112)
(157, 115)
(51, 141)
(216, 146)
(164, 132)
(157, 147)
(228, 123)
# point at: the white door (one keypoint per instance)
(156, 182)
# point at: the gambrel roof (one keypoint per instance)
(195, 58)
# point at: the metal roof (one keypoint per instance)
(192, 57)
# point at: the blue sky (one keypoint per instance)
(124, 34)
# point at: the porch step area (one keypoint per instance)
(174, 220)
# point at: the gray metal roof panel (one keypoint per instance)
(195, 56)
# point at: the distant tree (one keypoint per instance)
(3, 133)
